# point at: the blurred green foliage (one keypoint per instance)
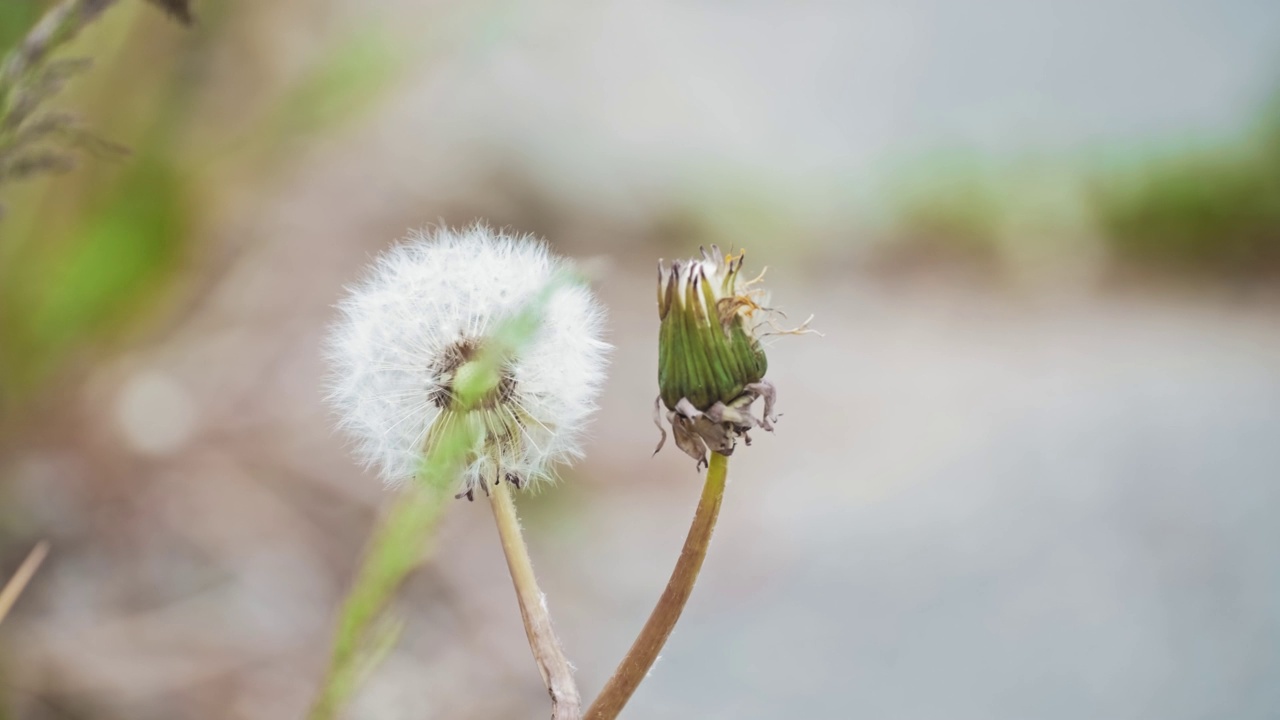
(81, 258)
(124, 247)
(349, 77)
(16, 18)
(1210, 210)
(949, 207)
(87, 256)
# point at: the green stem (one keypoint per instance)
(644, 651)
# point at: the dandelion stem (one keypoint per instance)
(554, 667)
(644, 651)
(12, 589)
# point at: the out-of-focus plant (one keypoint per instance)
(1214, 210)
(94, 256)
(947, 209)
(16, 20)
(53, 293)
(84, 258)
(34, 141)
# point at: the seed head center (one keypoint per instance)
(468, 383)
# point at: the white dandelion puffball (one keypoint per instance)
(424, 309)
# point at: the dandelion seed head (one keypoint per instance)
(423, 309)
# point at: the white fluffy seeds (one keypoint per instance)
(396, 342)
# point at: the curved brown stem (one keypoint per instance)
(644, 651)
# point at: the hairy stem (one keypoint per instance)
(644, 651)
(554, 667)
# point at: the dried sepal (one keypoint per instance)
(717, 429)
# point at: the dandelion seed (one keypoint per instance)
(408, 337)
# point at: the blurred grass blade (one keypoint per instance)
(18, 583)
(344, 83)
(56, 296)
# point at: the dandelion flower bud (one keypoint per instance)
(410, 335)
(711, 364)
